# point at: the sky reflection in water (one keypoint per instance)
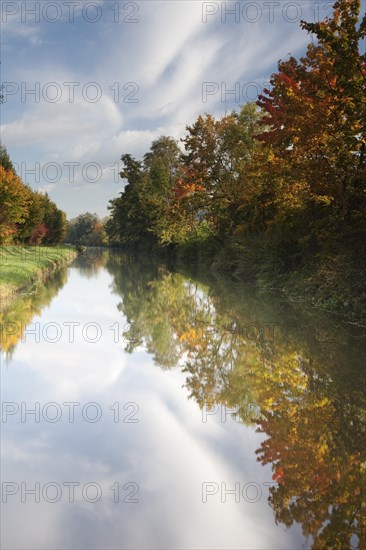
(164, 448)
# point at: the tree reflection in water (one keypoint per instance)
(14, 320)
(298, 376)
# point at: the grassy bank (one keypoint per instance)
(22, 267)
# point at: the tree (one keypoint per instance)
(5, 161)
(14, 200)
(166, 151)
(33, 230)
(54, 220)
(56, 226)
(316, 111)
(129, 224)
(86, 229)
(27, 216)
(137, 213)
(219, 177)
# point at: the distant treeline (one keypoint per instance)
(87, 230)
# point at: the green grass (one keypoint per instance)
(22, 266)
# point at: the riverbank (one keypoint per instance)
(23, 267)
(333, 282)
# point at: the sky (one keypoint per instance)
(87, 81)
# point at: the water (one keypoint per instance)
(178, 410)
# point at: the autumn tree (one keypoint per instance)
(217, 155)
(316, 112)
(27, 216)
(276, 191)
(14, 200)
(33, 230)
(218, 184)
(5, 161)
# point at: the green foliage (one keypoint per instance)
(137, 214)
(87, 230)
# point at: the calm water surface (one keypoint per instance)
(149, 408)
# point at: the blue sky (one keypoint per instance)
(111, 76)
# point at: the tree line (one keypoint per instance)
(87, 230)
(31, 218)
(293, 163)
(26, 216)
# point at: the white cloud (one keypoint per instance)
(52, 124)
(46, 188)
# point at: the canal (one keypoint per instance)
(145, 406)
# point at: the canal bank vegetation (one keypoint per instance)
(31, 230)
(25, 267)
(274, 192)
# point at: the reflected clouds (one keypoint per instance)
(168, 453)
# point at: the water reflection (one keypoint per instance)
(299, 378)
(90, 261)
(294, 376)
(15, 319)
